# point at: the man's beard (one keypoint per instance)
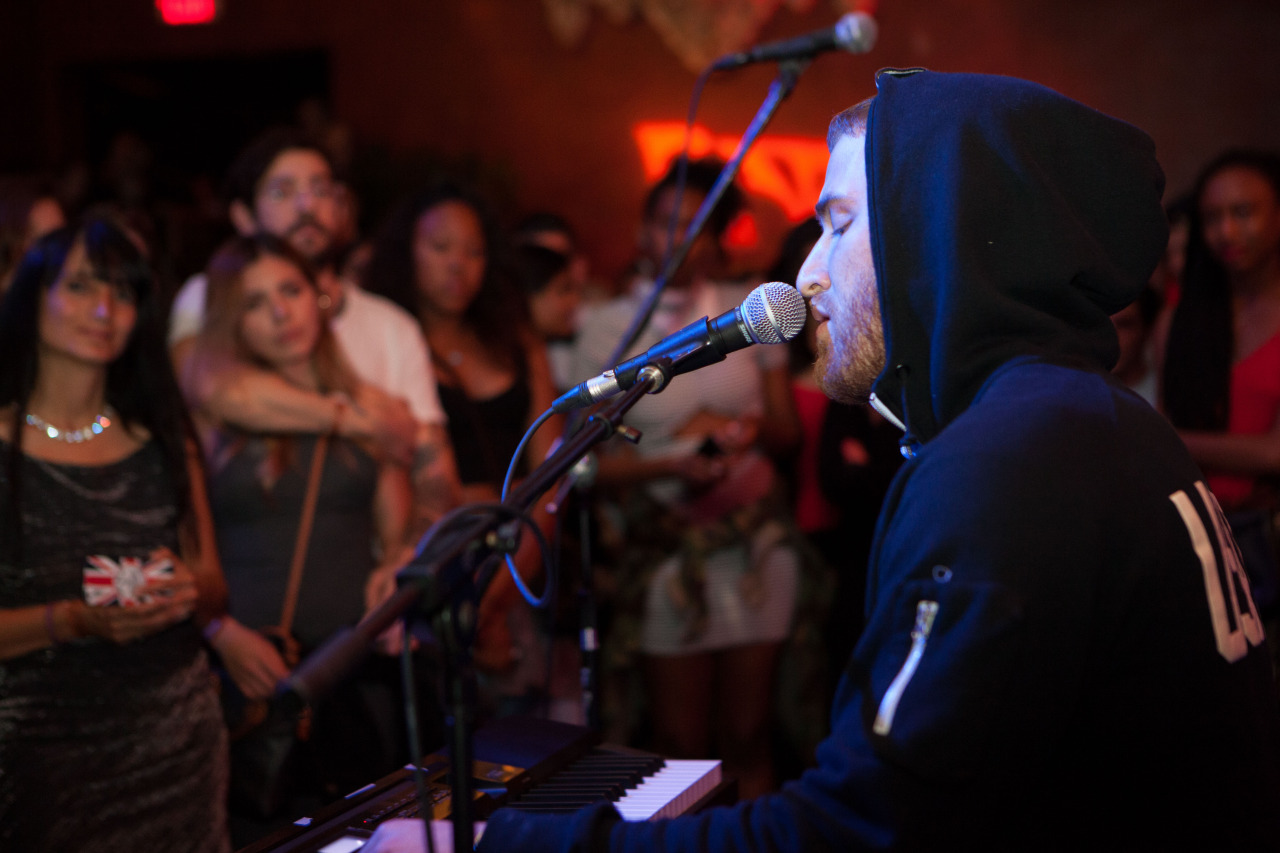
(321, 258)
(850, 380)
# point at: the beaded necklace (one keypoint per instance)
(72, 436)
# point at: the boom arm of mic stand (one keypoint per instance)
(426, 582)
(440, 578)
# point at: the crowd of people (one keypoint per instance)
(247, 459)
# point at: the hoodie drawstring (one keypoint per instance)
(908, 445)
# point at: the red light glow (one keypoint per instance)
(788, 169)
(182, 12)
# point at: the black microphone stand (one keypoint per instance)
(444, 582)
(783, 85)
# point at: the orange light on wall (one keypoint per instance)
(183, 12)
(788, 169)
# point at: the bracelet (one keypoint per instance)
(49, 627)
(212, 628)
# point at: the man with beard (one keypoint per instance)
(1061, 650)
(283, 184)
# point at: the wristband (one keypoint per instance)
(212, 628)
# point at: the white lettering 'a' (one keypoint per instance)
(1219, 587)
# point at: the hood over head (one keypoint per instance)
(1006, 220)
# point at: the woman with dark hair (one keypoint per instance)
(111, 738)
(263, 309)
(440, 257)
(1221, 383)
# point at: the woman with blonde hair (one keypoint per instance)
(263, 308)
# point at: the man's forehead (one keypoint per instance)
(297, 162)
(846, 174)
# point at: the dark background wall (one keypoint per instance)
(483, 83)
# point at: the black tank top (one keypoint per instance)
(485, 433)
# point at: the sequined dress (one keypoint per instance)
(104, 747)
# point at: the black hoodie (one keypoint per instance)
(1061, 652)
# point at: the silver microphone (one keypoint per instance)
(773, 313)
(855, 33)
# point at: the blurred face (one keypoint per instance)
(1241, 217)
(839, 280)
(449, 258)
(280, 318)
(653, 235)
(83, 317)
(554, 309)
(295, 201)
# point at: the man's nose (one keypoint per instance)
(812, 278)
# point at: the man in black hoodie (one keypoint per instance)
(1061, 650)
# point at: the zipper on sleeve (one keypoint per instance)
(926, 611)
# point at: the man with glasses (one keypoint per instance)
(282, 183)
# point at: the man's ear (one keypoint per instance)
(242, 219)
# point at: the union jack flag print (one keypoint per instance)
(121, 580)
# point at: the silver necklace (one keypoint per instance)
(72, 436)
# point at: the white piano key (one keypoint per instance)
(670, 791)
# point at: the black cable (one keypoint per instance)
(458, 514)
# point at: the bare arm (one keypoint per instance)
(542, 394)
(26, 629)
(392, 511)
(255, 400)
(623, 466)
(436, 487)
(776, 431)
(1247, 455)
(246, 397)
(201, 555)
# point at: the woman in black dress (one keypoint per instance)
(111, 737)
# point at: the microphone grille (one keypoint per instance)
(774, 312)
(856, 32)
